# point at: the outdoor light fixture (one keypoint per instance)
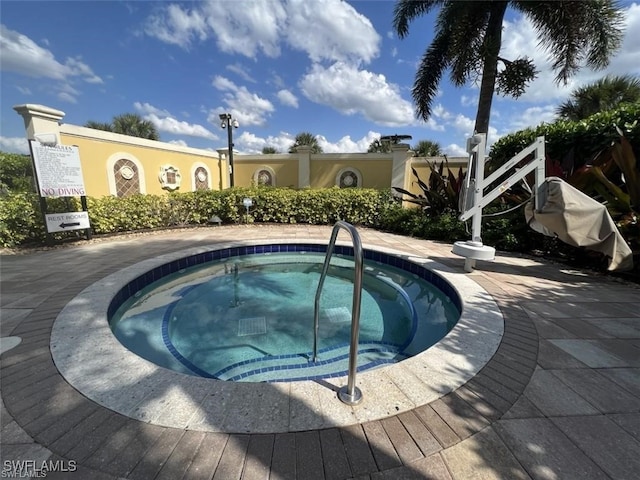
(227, 122)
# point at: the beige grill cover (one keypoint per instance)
(579, 220)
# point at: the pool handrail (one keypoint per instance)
(349, 394)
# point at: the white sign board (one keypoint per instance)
(58, 170)
(61, 222)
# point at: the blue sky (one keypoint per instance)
(330, 67)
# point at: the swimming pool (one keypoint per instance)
(246, 314)
(96, 364)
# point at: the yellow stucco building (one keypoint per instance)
(120, 165)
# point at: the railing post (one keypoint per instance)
(349, 394)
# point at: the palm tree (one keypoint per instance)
(605, 94)
(308, 139)
(468, 37)
(427, 148)
(107, 127)
(269, 150)
(379, 147)
(134, 125)
(127, 124)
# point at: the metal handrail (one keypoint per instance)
(349, 394)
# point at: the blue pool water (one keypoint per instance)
(250, 317)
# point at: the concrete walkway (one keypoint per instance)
(559, 399)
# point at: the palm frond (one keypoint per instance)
(406, 11)
(573, 32)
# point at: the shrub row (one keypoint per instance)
(21, 220)
(579, 139)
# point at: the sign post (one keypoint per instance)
(58, 173)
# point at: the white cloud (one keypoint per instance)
(249, 143)
(532, 116)
(287, 98)
(177, 127)
(22, 55)
(176, 26)
(146, 108)
(347, 145)
(440, 112)
(223, 83)
(467, 101)
(180, 143)
(352, 91)
(23, 90)
(164, 122)
(520, 39)
(323, 29)
(14, 145)
(331, 30)
(248, 108)
(78, 68)
(67, 93)
(455, 150)
(241, 71)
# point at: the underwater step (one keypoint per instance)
(332, 362)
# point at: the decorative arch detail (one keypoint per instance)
(125, 174)
(200, 177)
(265, 175)
(349, 177)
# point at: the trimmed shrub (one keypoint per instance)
(21, 219)
(576, 142)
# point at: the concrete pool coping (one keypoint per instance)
(92, 360)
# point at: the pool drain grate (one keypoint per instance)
(252, 326)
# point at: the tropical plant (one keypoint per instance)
(308, 139)
(105, 126)
(468, 38)
(16, 172)
(427, 148)
(442, 192)
(378, 146)
(605, 94)
(130, 124)
(269, 150)
(573, 143)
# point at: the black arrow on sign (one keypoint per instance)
(65, 225)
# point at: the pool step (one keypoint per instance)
(300, 367)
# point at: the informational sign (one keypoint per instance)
(58, 170)
(61, 222)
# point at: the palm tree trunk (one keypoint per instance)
(492, 42)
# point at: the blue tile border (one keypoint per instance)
(146, 279)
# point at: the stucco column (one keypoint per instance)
(304, 165)
(223, 167)
(401, 154)
(42, 121)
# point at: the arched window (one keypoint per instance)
(200, 177)
(125, 175)
(265, 175)
(349, 177)
(127, 178)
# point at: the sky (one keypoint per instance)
(333, 68)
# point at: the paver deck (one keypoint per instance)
(559, 399)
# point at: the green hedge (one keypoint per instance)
(583, 138)
(21, 220)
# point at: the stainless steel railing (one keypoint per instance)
(349, 394)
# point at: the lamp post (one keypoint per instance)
(228, 122)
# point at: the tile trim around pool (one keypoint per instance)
(92, 360)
